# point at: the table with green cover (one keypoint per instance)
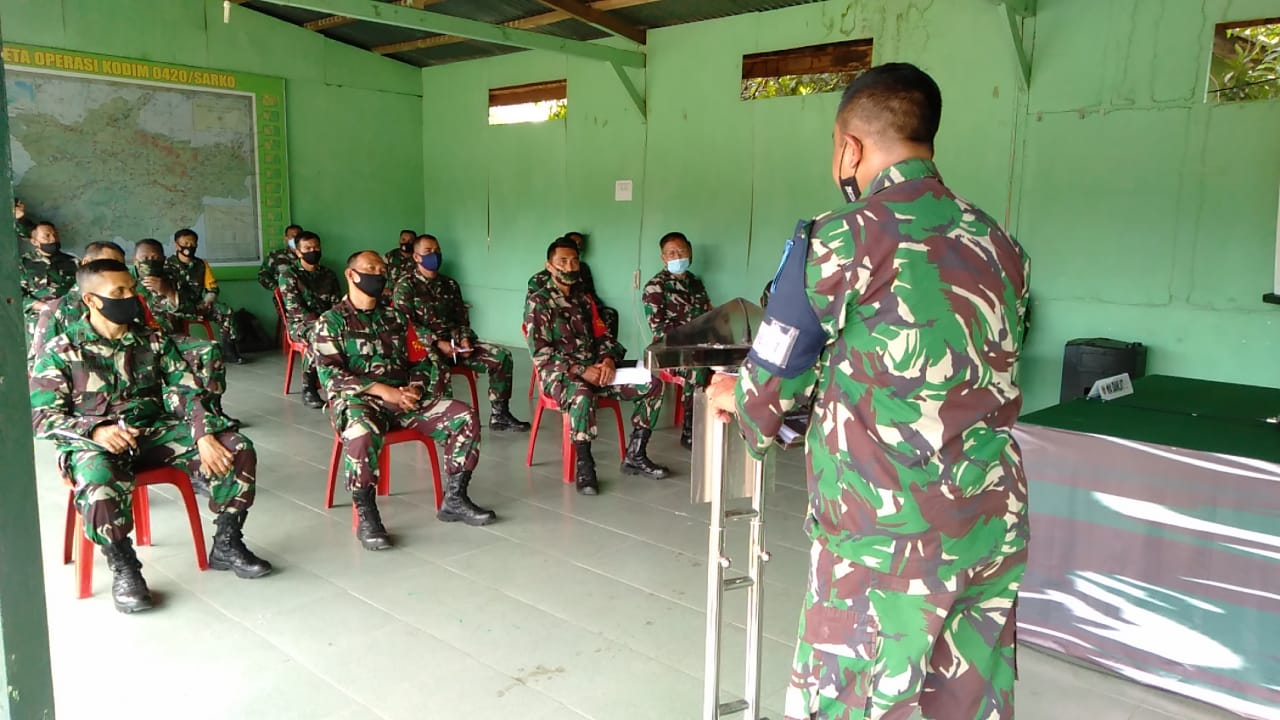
(1155, 538)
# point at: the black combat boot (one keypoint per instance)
(584, 471)
(686, 429)
(311, 389)
(229, 552)
(500, 418)
(128, 590)
(458, 507)
(217, 407)
(637, 461)
(370, 532)
(230, 353)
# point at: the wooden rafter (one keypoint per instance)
(528, 23)
(334, 21)
(592, 16)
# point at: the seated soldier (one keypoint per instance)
(97, 393)
(586, 284)
(162, 309)
(198, 291)
(308, 290)
(575, 359)
(60, 313)
(46, 274)
(400, 259)
(672, 298)
(361, 349)
(278, 259)
(433, 302)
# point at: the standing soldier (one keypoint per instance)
(98, 394)
(47, 274)
(576, 358)
(400, 259)
(903, 309)
(308, 290)
(672, 298)
(433, 302)
(280, 258)
(198, 291)
(361, 348)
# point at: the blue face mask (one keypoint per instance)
(431, 261)
(679, 265)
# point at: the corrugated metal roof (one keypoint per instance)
(442, 50)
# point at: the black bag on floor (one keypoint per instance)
(253, 338)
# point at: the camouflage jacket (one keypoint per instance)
(24, 226)
(194, 281)
(913, 469)
(45, 278)
(399, 265)
(586, 282)
(168, 315)
(273, 264)
(84, 380)
(558, 329)
(353, 349)
(434, 307)
(54, 320)
(308, 294)
(672, 300)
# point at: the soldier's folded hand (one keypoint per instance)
(607, 371)
(116, 438)
(591, 375)
(720, 394)
(410, 397)
(215, 460)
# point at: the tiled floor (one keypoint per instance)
(570, 607)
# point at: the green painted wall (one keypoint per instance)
(354, 119)
(1149, 215)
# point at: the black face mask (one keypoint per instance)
(311, 258)
(50, 248)
(371, 285)
(120, 311)
(849, 187)
(186, 252)
(148, 268)
(406, 247)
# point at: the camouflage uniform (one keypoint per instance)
(670, 301)
(83, 380)
(307, 294)
(194, 281)
(43, 279)
(563, 343)
(435, 308)
(204, 356)
(586, 284)
(353, 349)
(917, 494)
(23, 227)
(399, 266)
(273, 264)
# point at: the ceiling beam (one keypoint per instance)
(528, 23)
(388, 14)
(595, 18)
(334, 21)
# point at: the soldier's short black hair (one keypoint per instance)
(98, 248)
(671, 236)
(91, 270)
(292, 227)
(152, 243)
(43, 223)
(569, 235)
(411, 232)
(898, 100)
(186, 232)
(561, 242)
(425, 236)
(351, 260)
(305, 235)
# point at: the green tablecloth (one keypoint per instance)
(1180, 412)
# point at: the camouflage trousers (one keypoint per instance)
(104, 482)
(578, 400)
(220, 314)
(363, 421)
(694, 378)
(205, 359)
(494, 361)
(874, 645)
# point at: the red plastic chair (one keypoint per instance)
(208, 329)
(566, 433)
(395, 437)
(677, 383)
(470, 376)
(76, 543)
(293, 347)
